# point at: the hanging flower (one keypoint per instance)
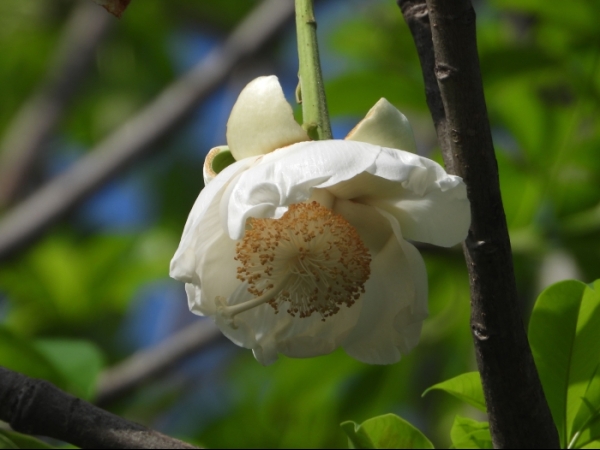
(300, 246)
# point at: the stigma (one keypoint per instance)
(309, 261)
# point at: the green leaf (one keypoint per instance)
(387, 431)
(70, 365)
(469, 433)
(408, 93)
(20, 355)
(586, 425)
(79, 362)
(564, 332)
(466, 387)
(6, 442)
(356, 437)
(22, 440)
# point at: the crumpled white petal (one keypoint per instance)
(262, 120)
(438, 217)
(386, 126)
(349, 170)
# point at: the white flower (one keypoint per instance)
(301, 250)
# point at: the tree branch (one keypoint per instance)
(27, 220)
(37, 407)
(517, 409)
(33, 124)
(147, 364)
(416, 15)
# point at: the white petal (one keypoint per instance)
(372, 227)
(409, 325)
(349, 170)
(217, 271)
(289, 175)
(193, 296)
(386, 126)
(438, 217)
(269, 334)
(393, 327)
(389, 303)
(262, 120)
(202, 223)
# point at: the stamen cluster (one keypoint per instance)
(312, 256)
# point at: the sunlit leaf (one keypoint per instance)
(387, 431)
(564, 332)
(469, 433)
(586, 425)
(466, 387)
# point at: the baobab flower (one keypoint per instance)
(300, 247)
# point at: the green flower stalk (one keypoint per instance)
(312, 91)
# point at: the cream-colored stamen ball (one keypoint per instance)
(318, 253)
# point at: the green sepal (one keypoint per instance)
(223, 159)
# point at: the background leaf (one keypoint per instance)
(387, 431)
(79, 362)
(5, 442)
(466, 387)
(20, 355)
(469, 433)
(564, 332)
(22, 440)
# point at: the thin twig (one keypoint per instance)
(27, 220)
(152, 362)
(517, 409)
(37, 407)
(33, 124)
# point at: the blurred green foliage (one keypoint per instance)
(540, 65)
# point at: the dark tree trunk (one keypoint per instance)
(444, 33)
